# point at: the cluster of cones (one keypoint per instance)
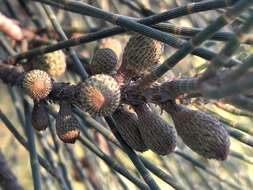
(141, 128)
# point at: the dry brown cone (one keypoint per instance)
(104, 61)
(157, 134)
(201, 132)
(67, 126)
(140, 56)
(112, 43)
(99, 95)
(37, 84)
(127, 126)
(40, 118)
(54, 63)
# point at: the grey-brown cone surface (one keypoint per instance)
(104, 61)
(37, 84)
(140, 55)
(99, 95)
(127, 126)
(201, 132)
(40, 117)
(158, 135)
(54, 63)
(67, 126)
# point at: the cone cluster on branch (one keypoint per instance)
(109, 89)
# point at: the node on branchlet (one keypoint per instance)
(67, 126)
(127, 126)
(54, 63)
(104, 61)
(99, 95)
(140, 56)
(40, 118)
(37, 84)
(201, 132)
(157, 134)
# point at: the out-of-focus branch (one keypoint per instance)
(8, 181)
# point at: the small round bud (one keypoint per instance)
(40, 117)
(157, 134)
(141, 55)
(37, 84)
(54, 63)
(201, 132)
(99, 95)
(127, 126)
(67, 126)
(104, 61)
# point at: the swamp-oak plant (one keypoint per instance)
(124, 83)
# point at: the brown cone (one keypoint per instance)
(99, 95)
(127, 126)
(67, 126)
(201, 132)
(40, 117)
(158, 135)
(37, 84)
(54, 63)
(112, 43)
(104, 61)
(141, 55)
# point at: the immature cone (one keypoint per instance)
(158, 135)
(104, 61)
(37, 84)
(67, 126)
(99, 95)
(127, 126)
(141, 55)
(40, 117)
(54, 63)
(201, 132)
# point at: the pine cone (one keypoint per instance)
(54, 63)
(127, 126)
(37, 84)
(158, 135)
(67, 126)
(104, 61)
(40, 118)
(201, 132)
(99, 95)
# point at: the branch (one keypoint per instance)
(8, 181)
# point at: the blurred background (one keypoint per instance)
(184, 166)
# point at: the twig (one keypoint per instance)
(32, 148)
(174, 13)
(8, 181)
(22, 141)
